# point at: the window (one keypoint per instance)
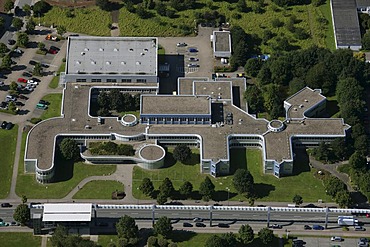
(141, 80)
(95, 80)
(126, 80)
(111, 80)
(81, 80)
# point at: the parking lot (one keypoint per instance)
(326, 242)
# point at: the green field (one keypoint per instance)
(90, 20)
(19, 239)
(99, 189)
(268, 187)
(55, 81)
(7, 152)
(55, 103)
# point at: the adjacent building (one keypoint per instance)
(221, 43)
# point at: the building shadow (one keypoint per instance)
(168, 84)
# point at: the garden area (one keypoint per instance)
(106, 187)
(7, 152)
(267, 187)
(55, 81)
(54, 106)
(19, 239)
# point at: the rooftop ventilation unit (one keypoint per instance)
(146, 50)
(138, 63)
(93, 62)
(123, 63)
(86, 49)
(101, 49)
(115, 49)
(78, 62)
(142, 54)
(82, 53)
(107, 62)
(130, 50)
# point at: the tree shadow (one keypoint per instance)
(223, 195)
(331, 108)
(63, 168)
(238, 159)
(193, 160)
(32, 44)
(181, 235)
(19, 67)
(263, 190)
(358, 197)
(195, 195)
(169, 160)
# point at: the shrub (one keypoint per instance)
(35, 120)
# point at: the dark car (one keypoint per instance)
(200, 224)
(307, 227)
(43, 102)
(4, 105)
(193, 50)
(9, 126)
(13, 223)
(186, 224)
(32, 62)
(36, 79)
(318, 227)
(44, 65)
(21, 96)
(18, 103)
(3, 124)
(223, 225)
(6, 205)
(26, 74)
(51, 51)
(11, 42)
(54, 48)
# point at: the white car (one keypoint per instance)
(336, 238)
(29, 88)
(32, 82)
(181, 44)
(193, 65)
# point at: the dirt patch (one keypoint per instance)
(70, 3)
(2, 3)
(115, 15)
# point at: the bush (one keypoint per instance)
(35, 120)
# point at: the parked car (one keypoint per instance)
(26, 74)
(51, 37)
(51, 51)
(197, 219)
(32, 62)
(317, 227)
(22, 80)
(186, 224)
(2, 83)
(193, 59)
(276, 226)
(45, 65)
(19, 51)
(41, 106)
(44, 102)
(18, 103)
(29, 88)
(9, 126)
(32, 82)
(11, 42)
(36, 79)
(4, 105)
(223, 225)
(192, 50)
(6, 205)
(193, 65)
(54, 48)
(3, 124)
(359, 228)
(181, 44)
(200, 224)
(10, 98)
(21, 96)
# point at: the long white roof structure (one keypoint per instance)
(67, 212)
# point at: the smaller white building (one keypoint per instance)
(221, 43)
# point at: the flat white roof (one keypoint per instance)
(67, 212)
(112, 55)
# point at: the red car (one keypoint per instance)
(51, 51)
(22, 80)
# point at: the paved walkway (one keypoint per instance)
(333, 169)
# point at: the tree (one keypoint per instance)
(340, 148)
(166, 188)
(103, 100)
(41, 46)
(246, 234)
(163, 226)
(13, 86)
(127, 228)
(69, 149)
(181, 152)
(362, 144)
(152, 241)
(9, 5)
(61, 29)
(317, 3)
(333, 185)
(297, 199)
(30, 26)
(214, 241)
(358, 161)
(147, 186)
(186, 188)
(161, 198)
(116, 99)
(103, 4)
(366, 41)
(22, 214)
(128, 103)
(241, 6)
(37, 70)
(41, 8)
(206, 189)
(27, 9)
(59, 236)
(12, 107)
(253, 66)
(266, 235)
(6, 62)
(343, 198)
(322, 152)
(22, 39)
(243, 182)
(254, 99)
(24, 199)
(17, 23)
(137, 101)
(229, 239)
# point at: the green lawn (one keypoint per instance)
(27, 184)
(268, 187)
(89, 20)
(99, 189)
(7, 152)
(55, 103)
(19, 239)
(104, 240)
(55, 81)
(329, 34)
